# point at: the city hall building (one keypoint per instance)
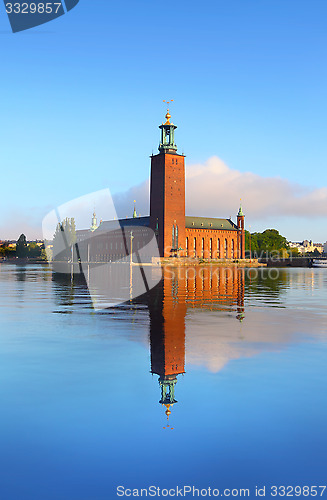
(178, 235)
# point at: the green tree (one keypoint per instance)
(34, 251)
(21, 246)
(8, 251)
(267, 243)
(63, 239)
(294, 252)
(44, 255)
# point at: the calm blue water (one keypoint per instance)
(79, 391)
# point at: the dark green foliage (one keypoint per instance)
(21, 247)
(43, 255)
(294, 252)
(34, 251)
(7, 252)
(266, 243)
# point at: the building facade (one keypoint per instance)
(177, 235)
(307, 246)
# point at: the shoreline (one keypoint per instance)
(178, 262)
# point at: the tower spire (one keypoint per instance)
(94, 224)
(167, 144)
(240, 233)
(240, 212)
(167, 384)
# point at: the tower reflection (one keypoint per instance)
(182, 289)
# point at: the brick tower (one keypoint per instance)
(167, 336)
(167, 194)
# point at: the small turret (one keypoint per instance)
(134, 212)
(94, 225)
(167, 144)
(240, 234)
(240, 212)
(167, 384)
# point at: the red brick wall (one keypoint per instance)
(167, 199)
(207, 251)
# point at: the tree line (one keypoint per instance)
(23, 250)
(271, 243)
(63, 240)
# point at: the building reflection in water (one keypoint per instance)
(181, 289)
(175, 308)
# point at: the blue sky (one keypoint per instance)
(82, 100)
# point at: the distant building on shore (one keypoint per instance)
(307, 246)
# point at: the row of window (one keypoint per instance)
(115, 246)
(221, 249)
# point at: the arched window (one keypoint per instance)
(173, 238)
(194, 247)
(218, 248)
(233, 256)
(226, 248)
(176, 237)
(202, 248)
(210, 248)
(186, 246)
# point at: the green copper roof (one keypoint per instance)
(190, 223)
(209, 223)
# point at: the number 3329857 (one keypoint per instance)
(33, 8)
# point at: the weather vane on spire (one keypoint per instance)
(168, 102)
(168, 115)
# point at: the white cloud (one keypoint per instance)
(124, 202)
(213, 189)
(263, 330)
